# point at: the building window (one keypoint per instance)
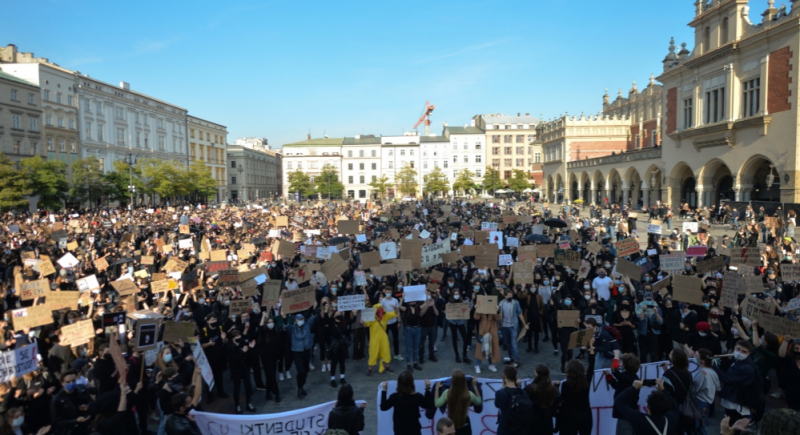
(374, 166)
(478, 158)
(289, 165)
(520, 150)
(17, 145)
(120, 136)
(62, 145)
(374, 178)
(752, 96)
(98, 108)
(507, 175)
(495, 163)
(144, 118)
(233, 179)
(412, 163)
(466, 159)
(30, 98)
(478, 146)
(687, 113)
(715, 105)
(495, 151)
(89, 130)
(707, 40)
(350, 153)
(299, 165)
(350, 179)
(146, 141)
(361, 179)
(478, 173)
(391, 165)
(16, 122)
(466, 146)
(507, 151)
(58, 97)
(391, 153)
(374, 153)
(537, 157)
(72, 124)
(349, 166)
(33, 124)
(520, 138)
(14, 95)
(723, 31)
(653, 138)
(425, 165)
(410, 152)
(506, 162)
(361, 166)
(507, 138)
(161, 146)
(495, 138)
(455, 146)
(455, 159)
(49, 144)
(520, 162)
(69, 100)
(402, 152)
(100, 133)
(445, 163)
(48, 120)
(60, 122)
(47, 96)
(361, 153)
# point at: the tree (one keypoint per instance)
(492, 180)
(406, 180)
(463, 182)
(201, 183)
(436, 182)
(328, 182)
(14, 186)
(519, 182)
(119, 179)
(299, 181)
(48, 180)
(88, 180)
(380, 185)
(167, 178)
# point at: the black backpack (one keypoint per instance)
(519, 416)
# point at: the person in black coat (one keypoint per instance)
(544, 397)
(621, 380)
(104, 370)
(69, 409)
(270, 349)
(237, 350)
(345, 415)
(574, 411)
(406, 403)
(662, 414)
(678, 382)
(703, 339)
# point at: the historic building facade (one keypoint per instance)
(207, 143)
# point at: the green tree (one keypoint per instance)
(14, 186)
(88, 180)
(48, 179)
(328, 183)
(463, 182)
(436, 182)
(167, 178)
(380, 185)
(492, 180)
(299, 181)
(201, 182)
(119, 179)
(519, 181)
(406, 180)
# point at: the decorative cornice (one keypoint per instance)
(721, 133)
(643, 154)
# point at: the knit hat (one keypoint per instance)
(703, 326)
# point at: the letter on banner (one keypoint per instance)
(17, 362)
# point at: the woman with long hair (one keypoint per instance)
(458, 399)
(270, 350)
(678, 382)
(575, 412)
(345, 415)
(544, 397)
(406, 402)
(459, 326)
(14, 423)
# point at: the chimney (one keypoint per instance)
(125, 85)
(308, 136)
(527, 114)
(472, 123)
(518, 114)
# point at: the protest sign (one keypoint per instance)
(673, 262)
(31, 317)
(626, 247)
(654, 229)
(125, 286)
(412, 250)
(710, 265)
(334, 267)
(662, 284)
(567, 318)
(388, 251)
(370, 259)
(414, 293)
(512, 242)
(239, 306)
(629, 269)
(580, 338)
(401, 265)
(119, 360)
(68, 260)
(368, 315)
(545, 251)
(746, 257)
(527, 252)
(34, 289)
(87, 283)
(431, 254)
(486, 304)
(790, 272)
(347, 227)
(360, 278)
(295, 301)
(691, 226)
(46, 268)
(583, 271)
(18, 362)
(696, 251)
(594, 247)
(174, 331)
(228, 277)
(457, 311)
(779, 325)
(488, 226)
(753, 308)
(537, 229)
(205, 368)
(351, 302)
(486, 261)
(687, 289)
(57, 300)
(523, 272)
(311, 420)
(728, 297)
(567, 258)
(77, 333)
(505, 260)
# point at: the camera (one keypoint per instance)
(649, 382)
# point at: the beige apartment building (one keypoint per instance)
(20, 118)
(207, 143)
(509, 142)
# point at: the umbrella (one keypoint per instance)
(375, 219)
(408, 224)
(527, 191)
(398, 224)
(381, 230)
(337, 240)
(122, 261)
(555, 223)
(537, 238)
(499, 191)
(455, 224)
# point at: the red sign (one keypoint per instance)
(696, 251)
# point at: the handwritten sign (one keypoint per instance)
(457, 311)
(62, 299)
(486, 304)
(205, 368)
(673, 262)
(295, 301)
(238, 307)
(523, 272)
(388, 251)
(627, 247)
(580, 338)
(525, 253)
(414, 293)
(753, 308)
(31, 317)
(567, 318)
(568, 258)
(629, 269)
(746, 256)
(77, 333)
(687, 289)
(34, 289)
(696, 251)
(18, 362)
(790, 272)
(350, 303)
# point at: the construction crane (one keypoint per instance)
(426, 118)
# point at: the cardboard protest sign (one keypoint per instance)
(46, 268)
(687, 289)
(580, 338)
(228, 276)
(34, 289)
(284, 248)
(412, 250)
(691, 226)
(159, 286)
(505, 260)
(334, 267)
(628, 269)
(568, 258)
(486, 304)
(486, 261)
(125, 287)
(525, 253)
(790, 272)
(31, 317)
(351, 302)
(18, 362)
(414, 293)
(271, 292)
(696, 251)
(368, 315)
(660, 286)
(295, 301)
(88, 283)
(457, 311)
(119, 360)
(219, 255)
(347, 227)
(673, 262)
(654, 229)
(175, 265)
(594, 247)
(753, 308)
(437, 276)
(545, 251)
(146, 334)
(383, 270)
(184, 229)
(567, 318)
(583, 271)
(746, 257)
(77, 333)
(388, 251)
(626, 247)
(62, 299)
(710, 265)
(282, 221)
(488, 226)
(431, 255)
(174, 331)
(779, 325)
(238, 306)
(370, 259)
(450, 257)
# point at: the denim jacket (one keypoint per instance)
(646, 321)
(301, 336)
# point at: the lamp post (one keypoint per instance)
(241, 169)
(131, 159)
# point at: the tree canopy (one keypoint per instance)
(435, 182)
(299, 181)
(519, 181)
(492, 180)
(463, 182)
(328, 184)
(406, 180)
(380, 185)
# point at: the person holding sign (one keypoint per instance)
(554, 306)
(511, 312)
(237, 350)
(460, 327)
(301, 342)
(458, 398)
(488, 346)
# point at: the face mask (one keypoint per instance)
(227, 303)
(464, 270)
(168, 358)
(477, 287)
(734, 331)
(508, 298)
(387, 295)
(647, 279)
(270, 326)
(201, 301)
(593, 306)
(450, 284)
(300, 323)
(714, 315)
(456, 297)
(608, 265)
(617, 282)
(427, 297)
(626, 307)
(587, 297)
(739, 356)
(702, 334)
(688, 268)
(17, 422)
(546, 283)
(586, 286)
(400, 287)
(567, 302)
(70, 387)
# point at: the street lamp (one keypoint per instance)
(131, 160)
(241, 169)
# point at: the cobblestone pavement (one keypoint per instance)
(320, 391)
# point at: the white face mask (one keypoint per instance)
(739, 356)
(270, 326)
(456, 297)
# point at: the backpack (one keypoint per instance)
(752, 396)
(689, 408)
(615, 332)
(519, 416)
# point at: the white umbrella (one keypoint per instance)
(486, 195)
(527, 191)
(499, 191)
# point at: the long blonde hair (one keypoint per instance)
(458, 399)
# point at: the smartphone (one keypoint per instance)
(649, 382)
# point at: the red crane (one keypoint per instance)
(426, 118)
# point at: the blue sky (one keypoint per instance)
(282, 69)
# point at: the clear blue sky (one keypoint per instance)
(282, 69)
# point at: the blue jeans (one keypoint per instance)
(600, 361)
(510, 342)
(703, 422)
(413, 335)
(162, 422)
(669, 223)
(736, 224)
(610, 230)
(429, 333)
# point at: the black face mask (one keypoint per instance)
(593, 306)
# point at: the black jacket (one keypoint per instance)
(347, 418)
(178, 424)
(639, 421)
(64, 410)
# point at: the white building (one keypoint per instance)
(468, 150)
(396, 152)
(310, 156)
(436, 154)
(361, 165)
(253, 142)
(251, 172)
(115, 122)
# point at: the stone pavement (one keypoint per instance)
(320, 391)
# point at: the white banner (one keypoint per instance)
(312, 420)
(432, 254)
(17, 362)
(601, 398)
(350, 303)
(205, 367)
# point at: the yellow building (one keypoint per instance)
(207, 143)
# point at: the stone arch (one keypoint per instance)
(598, 187)
(558, 188)
(683, 185)
(574, 187)
(548, 188)
(614, 186)
(752, 180)
(651, 185)
(585, 187)
(633, 187)
(716, 182)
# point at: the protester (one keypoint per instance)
(406, 403)
(544, 400)
(620, 380)
(661, 417)
(346, 415)
(574, 411)
(513, 404)
(458, 398)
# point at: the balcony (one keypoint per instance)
(642, 154)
